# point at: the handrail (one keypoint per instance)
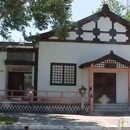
(58, 91)
(60, 97)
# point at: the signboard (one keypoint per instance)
(110, 65)
(20, 69)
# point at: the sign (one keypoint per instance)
(20, 69)
(122, 123)
(110, 65)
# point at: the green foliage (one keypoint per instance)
(127, 15)
(17, 14)
(8, 120)
(117, 7)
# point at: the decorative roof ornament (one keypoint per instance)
(105, 8)
(111, 52)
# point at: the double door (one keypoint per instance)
(105, 84)
(19, 81)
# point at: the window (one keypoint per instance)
(63, 74)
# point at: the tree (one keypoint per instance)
(17, 14)
(117, 7)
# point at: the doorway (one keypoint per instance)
(19, 81)
(105, 84)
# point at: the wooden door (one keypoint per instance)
(105, 84)
(15, 82)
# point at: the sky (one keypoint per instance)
(80, 9)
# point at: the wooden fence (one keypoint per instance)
(46, 97)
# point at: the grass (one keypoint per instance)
(4, 120)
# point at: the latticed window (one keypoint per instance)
(20, 56)
(63, 74)
(110, 63)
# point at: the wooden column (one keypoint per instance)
(91, 88)
(129, 85)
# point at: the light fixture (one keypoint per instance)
(82, 91)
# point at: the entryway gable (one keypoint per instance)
(110, 60)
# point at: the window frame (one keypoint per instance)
(64, 64)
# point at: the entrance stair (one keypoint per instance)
(111, 107)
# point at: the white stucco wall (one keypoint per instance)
(104, 23)
(3, 57)
(83, 52)
(122, 87)
(119, 27)
(89, 26)
(78, 53)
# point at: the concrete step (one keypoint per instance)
(109, 113)
(111, 107)
(110, 104)
(111, 110)
(114, 107)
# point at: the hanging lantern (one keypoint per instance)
(82, 91)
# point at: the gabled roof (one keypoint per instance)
(105, 12)
(111, 55)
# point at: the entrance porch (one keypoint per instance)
(109, 80)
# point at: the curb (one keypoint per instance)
(52, 127)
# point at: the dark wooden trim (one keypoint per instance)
(3, 49)
(111, 32)
(116, 87)
(75, 74)
(8, 62)
(51, 64)
(43, 35)
(54, 63)
(110, 65)
(91, 31)
(63, 76)
(21, 49)
(15, 43)
(87, 41)
(84, 65)
(96, 31)
(13, 49)
(75, 77)
(110, 55)
(36, 72)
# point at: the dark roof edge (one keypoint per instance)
(110, 55)
(15, 43)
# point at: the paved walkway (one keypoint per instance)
(64, 121)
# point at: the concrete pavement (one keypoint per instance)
(66, 122)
